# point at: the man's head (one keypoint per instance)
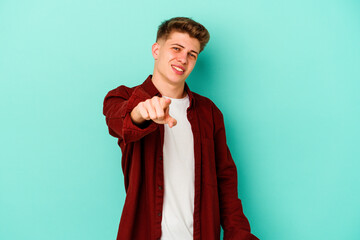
(178, 44)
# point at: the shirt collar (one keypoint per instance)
(150, 88)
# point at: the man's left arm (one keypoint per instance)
(233, 221)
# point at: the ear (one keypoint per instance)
(155, 50)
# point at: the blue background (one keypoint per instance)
(284, 73)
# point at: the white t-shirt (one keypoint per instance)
(179, 175)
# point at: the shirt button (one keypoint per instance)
(159, 214)
(160, 158)
(160, 188)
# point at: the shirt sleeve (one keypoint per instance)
(118, 104)
(233, 221)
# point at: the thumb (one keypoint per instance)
(165, 103)
(168, 119)
(171, 121)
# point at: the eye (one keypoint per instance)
(192, 55)
(176, 48)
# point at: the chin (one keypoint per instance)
(177, 80)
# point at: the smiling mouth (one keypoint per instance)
(178, 70)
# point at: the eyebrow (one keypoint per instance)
(184, 47)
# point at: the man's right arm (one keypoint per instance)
(132, 113)
(117, 108)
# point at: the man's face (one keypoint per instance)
(175, 57)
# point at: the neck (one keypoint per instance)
(166, 88)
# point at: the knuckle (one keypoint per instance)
(147, 104)
(163, 102)
(156, 101)
(140, 107)
(144, 115)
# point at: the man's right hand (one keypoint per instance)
(155, 109)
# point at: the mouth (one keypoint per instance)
(178, 69)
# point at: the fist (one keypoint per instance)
(155, 109)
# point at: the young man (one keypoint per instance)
(180, 178)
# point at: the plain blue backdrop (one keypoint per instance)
(284, 73)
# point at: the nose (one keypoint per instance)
(182, 57)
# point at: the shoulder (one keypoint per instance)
(122, 91)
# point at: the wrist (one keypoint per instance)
(136, 117)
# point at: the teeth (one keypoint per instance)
(179, 69)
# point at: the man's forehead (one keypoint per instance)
(183, 38)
